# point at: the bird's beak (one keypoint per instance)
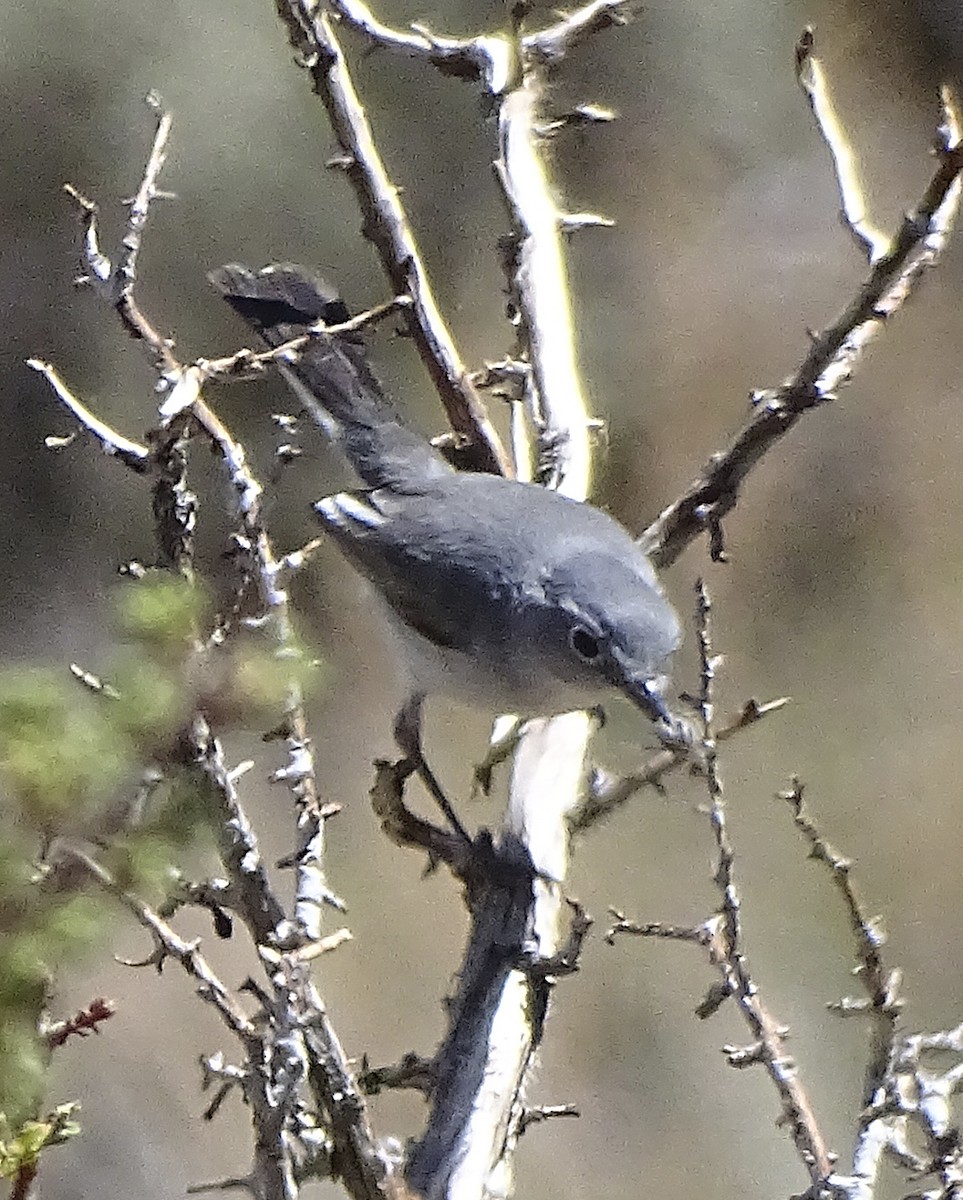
(648, 695)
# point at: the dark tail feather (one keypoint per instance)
(331, 375)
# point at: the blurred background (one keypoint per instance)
(843, 589)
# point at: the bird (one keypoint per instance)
(499, 593)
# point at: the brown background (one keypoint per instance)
(844, 589)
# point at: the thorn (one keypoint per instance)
(575, 222)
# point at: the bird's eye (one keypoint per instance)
(585, 644)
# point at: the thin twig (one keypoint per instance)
(831, 359)
(174, 508)
(883, 1003)
(125, 272)
(607, 793)
(727, 952)
(490, 59)
(294, 1042)
(812, 79)
(551, 44)
(721, 937)
(172, 945)
(131, 454)
(304, 1033)
(116, 283)
(246, 362)
(252, 898)
(311, 891)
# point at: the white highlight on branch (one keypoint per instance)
(812, 80)
(131, 453)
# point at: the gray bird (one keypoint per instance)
(505, 595)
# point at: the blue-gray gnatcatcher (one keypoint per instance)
(503, 594)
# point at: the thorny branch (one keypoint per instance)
(115, 282)
(605, 793)
(248, 362)
(830, 362)
(496, 1018)
(297, 1045)
(166, 458)
(312, 34)
(131, 454)
(304, 1039)
(902, 1092)
(170, 945)
(721, 936)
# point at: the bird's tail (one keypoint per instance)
(331, 375)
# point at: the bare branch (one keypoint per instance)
(883, 1003)
(902, 1095)
(131, 454)
(125, 272)
(551, 44)
(311, 32)
(497, 1015)
(607, 793)
(312, 891)
(298, 1043)
(541, 293)
(247, 362)
(812, 79)
(302, 1034)
(721, 936)
(173, 946)
(489, 59)
(116, 283)
(183, 398)
(829, 364)
(547, 1112)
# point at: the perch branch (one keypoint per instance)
(497, 1016)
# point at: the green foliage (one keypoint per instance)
(162, 612)
(39, 927)
(60, 752)
(21, 1149)
(72, 760)
(112, 765)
